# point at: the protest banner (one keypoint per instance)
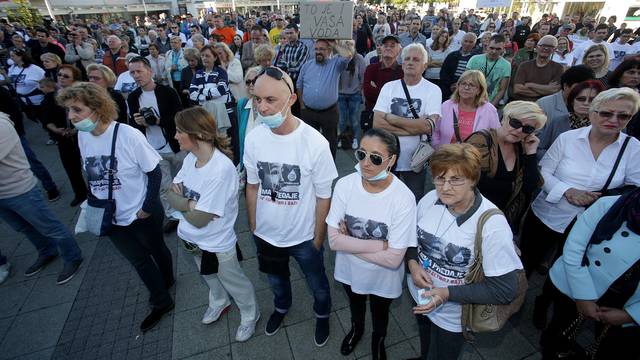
(326, 19)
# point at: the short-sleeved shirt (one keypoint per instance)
(530, 72)
(494, 72)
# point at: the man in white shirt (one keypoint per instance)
(289, 174)
(599, 37)
(621, 48)
(457, 34)
(392, 112)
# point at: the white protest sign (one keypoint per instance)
(326, 19)
(493, 3)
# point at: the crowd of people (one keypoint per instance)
(173, 118)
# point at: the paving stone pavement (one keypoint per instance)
(97, 314)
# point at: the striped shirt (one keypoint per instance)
(212, 85)
(292, 59)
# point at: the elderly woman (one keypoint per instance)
(597, 278)
(371, 224)
(412, 118)
(446, 228)
(509, 165)
(596, 57)
(105, 78)
(563, 54)
(198, 41)
(580, 166)
(50, 64)
(137, 227)
(192, 55)
(264, 55)
(157, 62)
(174, 63)
(233, 67)
(578, 103)
(468, 111)
(246, 113)
(627, 74)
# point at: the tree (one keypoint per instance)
(25, 14)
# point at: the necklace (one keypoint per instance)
(440, 222)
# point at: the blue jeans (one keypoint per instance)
(29, 214)
(312, 265)
(350, 108)
(38, 169)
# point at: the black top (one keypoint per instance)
(122, 106)
(10, 106)
(53, 114)
(494, 189)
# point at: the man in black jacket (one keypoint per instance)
(43, 45)
(456, 63)
(152, 108)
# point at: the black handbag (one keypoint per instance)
(366, 120)
(100, 214)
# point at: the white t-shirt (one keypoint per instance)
(449, 246)
(27, 80)
(578, 53)
(388, 215)
(437, 55)
(134, 158)
(125, 83)
(154, 133)
(619, 52)
(292, 170)
(427, 100)
(214, 187)
(456, 40)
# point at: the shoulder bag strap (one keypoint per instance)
(410, 102)
(615, 165)
(456, 128)
(476, 272)
(112, 160)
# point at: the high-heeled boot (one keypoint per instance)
(378, 352)
(351, 340)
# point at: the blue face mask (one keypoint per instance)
(86, 125)
(381, 175)
(275, 120)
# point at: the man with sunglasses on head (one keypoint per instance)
(152, 108)
(317, 87)
(289, 175)
(541, 76)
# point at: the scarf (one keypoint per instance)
(577, 122)
(625, 209)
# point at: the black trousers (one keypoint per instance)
(437, 343)
(71, 161)
(325, 121)
(536, 241)
(142, 244)
(379, 311)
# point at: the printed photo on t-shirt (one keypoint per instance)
(366, 229)
(18, 79)
(190, 193)
(97, 168)
(400, 107)
(279, 181)
(448, 261)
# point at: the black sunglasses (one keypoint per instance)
(249, 82)
(64, 76)
(275, 73)
(517, 124)
(374, 158)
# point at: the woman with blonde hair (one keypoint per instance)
(136, 230)
(192, 55)
(264, 55)
(596, 57)
(508, 159)
(233, 67)
(469, 110)
(50, 63)
(104, 77)
(205, 191)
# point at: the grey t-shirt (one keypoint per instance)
(16, 177)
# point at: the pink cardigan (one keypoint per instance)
(486, 118)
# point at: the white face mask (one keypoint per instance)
(274, 121)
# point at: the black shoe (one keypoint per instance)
(170, 226)
(540, 309)
(77, 201)
(68, 271)
(350, 341)
(274, 323)
(154, 318)
(40, 264)
(53, 195)
(322, 332)
(378, 352)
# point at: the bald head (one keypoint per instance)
(273, 94)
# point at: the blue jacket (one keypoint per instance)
(608, 260)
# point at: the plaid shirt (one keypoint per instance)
(292, 59)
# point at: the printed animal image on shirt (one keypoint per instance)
(449, 261)
(366, 229)
(400, 107)
(190, 193)
(97, 168)
(279, 181)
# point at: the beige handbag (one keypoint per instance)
(488, 317)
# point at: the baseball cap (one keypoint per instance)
(391, 37)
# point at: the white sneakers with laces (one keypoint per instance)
(213, 314)
(245, 331)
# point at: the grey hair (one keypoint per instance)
(198, 37)
(416, 47)
(614, 94)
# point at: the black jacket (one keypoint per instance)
(168, 105)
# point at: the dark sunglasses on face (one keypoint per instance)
(374, 158)
(275, 73)
(517, 124)
(250, 82)
(608, 115)
(64, 76)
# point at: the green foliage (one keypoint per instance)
(25, 14)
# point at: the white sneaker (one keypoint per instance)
(245, 331)
(212, 315)
(339, 144)
(4, 272)
(354, 144)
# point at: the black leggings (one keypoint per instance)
(537, 239)
(437, 343)
(379, 311)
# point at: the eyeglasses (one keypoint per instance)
(517, 124)
(609, 115)
(375, 159)
(64, 76)
(467, 85)
(454, 181)
(275, 73)
(583, 99)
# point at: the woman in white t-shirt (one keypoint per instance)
(370, 225)
(438, 51)
(446, 229)
(205, 191)
(137, 226)
(24, 77)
